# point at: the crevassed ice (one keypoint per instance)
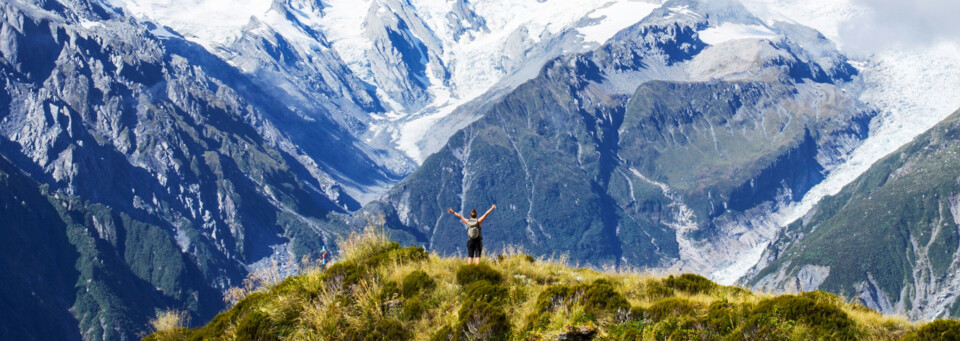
(476, 63)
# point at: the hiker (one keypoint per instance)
(475, 243)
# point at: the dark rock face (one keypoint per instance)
(37, 263)
(147, 174)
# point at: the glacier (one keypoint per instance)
(912, 89)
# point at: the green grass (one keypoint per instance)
(380, 292)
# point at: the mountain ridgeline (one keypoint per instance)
(597, 160)
(890, 238)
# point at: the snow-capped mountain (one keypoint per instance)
(762, 112)
(449, 53)
(424, 59)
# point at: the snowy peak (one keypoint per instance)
(602, 23)
(730, 31)
(716, 11)
(207, 22)
(404, 54)
(702, 14)
(472, 48)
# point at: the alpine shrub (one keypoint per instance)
(677, 328)
(476, 272)
(690, 283)
(346, 273)
(832, 299)
(417, 282)
(412, 309)
(390, 290)
(221, 322)
(939, 330)
(480, 320)
(378, 254)
(254, 326)
(392, 252)
(548, 301)
(657, 289)
(495, 294)
(596, 297)
(822, 296)
(824, 320)
(443, 334)
(724, 317)
(409, 254)
(600, 296)
(670, 307)
(549, 298)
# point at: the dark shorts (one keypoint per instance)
(474, 247)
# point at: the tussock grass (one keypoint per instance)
(170, 325)
(379, 290)
(261, 278)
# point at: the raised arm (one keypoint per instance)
(458, 215)
(484, 217)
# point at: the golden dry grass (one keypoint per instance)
(170, 320)
(170, 324)
(313, 306)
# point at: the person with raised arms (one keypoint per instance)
(475, 238)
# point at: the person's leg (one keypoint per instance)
(471, 250)
(479, 252)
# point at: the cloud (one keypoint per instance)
(901, 24)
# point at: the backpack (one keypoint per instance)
(473, 228)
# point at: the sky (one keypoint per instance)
(901, 24)
(864, 27)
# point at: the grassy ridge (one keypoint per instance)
(381, 291)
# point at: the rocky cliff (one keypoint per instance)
(173, 173)
(890, 238)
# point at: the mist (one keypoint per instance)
(887, 24)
